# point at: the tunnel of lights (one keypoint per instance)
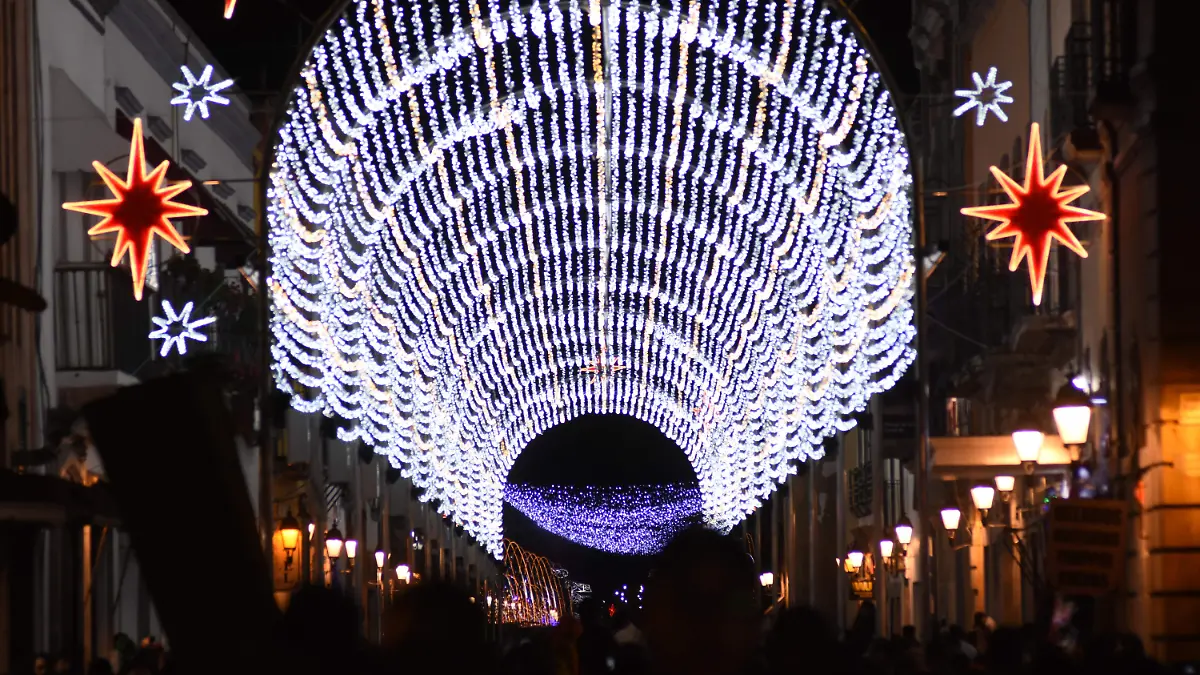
(487, 217)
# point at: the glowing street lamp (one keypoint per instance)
(904, 532)
(766, 579)
(289, 534)
(403, 573)
(951, 517)
(1072, 417)
(333, 543)
(855, 556)
(983, 496)
(1028, 439)
(1005, 485)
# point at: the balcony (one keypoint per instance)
(1070, 85)
(100, 329)
(1114, 48)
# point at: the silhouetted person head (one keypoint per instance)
(701, 609)
(436, 626)
(324, 625)
(802, 641)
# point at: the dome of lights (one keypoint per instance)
(487, 217)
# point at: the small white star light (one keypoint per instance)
(987, 95)
(197, 92)
(178, 336)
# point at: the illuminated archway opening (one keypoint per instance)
(488, 217)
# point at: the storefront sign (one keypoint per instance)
(1086, 551)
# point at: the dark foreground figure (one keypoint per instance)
(703, 616)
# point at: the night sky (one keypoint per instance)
(260, 47)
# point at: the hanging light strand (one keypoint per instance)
(467, 209)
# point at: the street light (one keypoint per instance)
(855, 556)
(1028, 439)
(1072, 416)
(289, 535)
(351, 550)
(983, 496)
(904, 532)
(333, 543)
(951, 517)
(886, 546)
(402, 573)
(1005, 484)
(766, 579)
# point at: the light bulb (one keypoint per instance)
(983, 496)
(1005, 484)
(885, 548)
(951, 516)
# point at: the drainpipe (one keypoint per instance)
(1116, 389)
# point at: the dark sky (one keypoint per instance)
(260, 48)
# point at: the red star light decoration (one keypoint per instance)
(141, 208)
(1038, 214)
(229, 5)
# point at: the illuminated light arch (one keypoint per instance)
(476, 210)
(534, 589)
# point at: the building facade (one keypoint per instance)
(1092, 75)
(77, 74)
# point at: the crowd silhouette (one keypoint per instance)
(703, 616)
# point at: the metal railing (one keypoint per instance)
(1071, 82)
(98, 323)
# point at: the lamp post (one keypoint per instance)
(380, 560)
(1005, 485)
(289, 534)
(951, 517)
(983, 495)
(1073, 418)
(1028, 439)
(333, 550)
(767, 579)
(904, 533)
(855, 556)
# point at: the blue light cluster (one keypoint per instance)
(629, 520)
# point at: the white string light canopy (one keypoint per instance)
(489, 217)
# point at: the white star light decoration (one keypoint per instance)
(197, 92)
(487, 207)
(987, 95)
(178, 336)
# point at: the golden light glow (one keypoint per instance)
(229, 5)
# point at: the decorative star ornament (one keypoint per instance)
(1038, 214)
(602, 366)
(186, 330)
(141, 208)
(987, 95)
(197, 92)
(229, 5)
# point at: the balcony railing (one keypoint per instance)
(98, 323)
(1071, 81)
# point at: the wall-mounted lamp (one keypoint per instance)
(289, 534)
